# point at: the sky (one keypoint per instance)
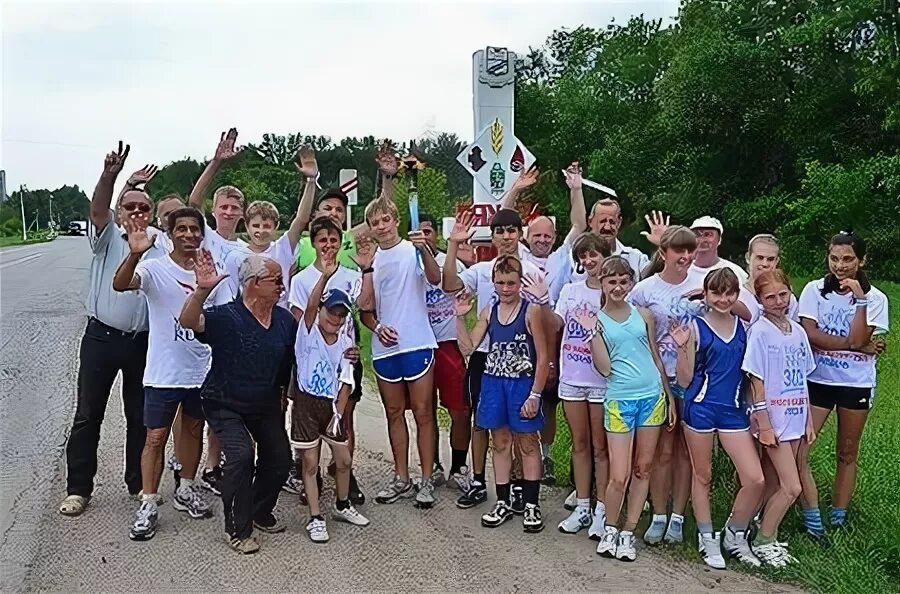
(168, 78)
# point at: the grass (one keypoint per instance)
(12, 240)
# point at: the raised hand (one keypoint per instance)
(588, 319)
(657, 225)
(535, 287)
(463, 303)
(329, 261)
(305, 162)
(526, 180)
(365, 250)
(573, 176)
(226, 148)
(417, 238)
(114, 161)
(854, 286)
(205, 271)
(679, 332)
(386, 159)
(142, 176)
(462, 229)
(139, 241)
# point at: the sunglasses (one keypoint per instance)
(139, 206)
(277, 280)
(505, 229)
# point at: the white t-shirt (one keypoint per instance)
(477, 280)
(175, 359)
(576, 364)
(833, 315)
(400, 286)
(666, 302)
(279, 250)
(573, 273)
(321, 367)
(697, 274)
(552, 265)
(783, 363)
(442, 306)
(348, 281)
(756, 308)
(219, 248)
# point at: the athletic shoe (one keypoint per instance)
(549, 477)
(532, 520)
(425, 494)
(577, 521)
(499, 514)
(349, 515)
(655, 532)
(175, 466)
(188, 499)
(711, 551)
(607, 546)
(356, 496)
(598, 525)
(476, 494)
(210, 479)
(460, 479)
(570, 504)
(144, 527)
(394, 490)
(625, 547)
(737, 547)
(437, 475)
(317, 530)
(270, 524)
(244, 546)
(675, 531)
(517, 500)
(774, 554)
(293, 484)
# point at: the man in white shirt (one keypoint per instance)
(706, 259)
(177, 362)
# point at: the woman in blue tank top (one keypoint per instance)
(638, 401)
(710, 352)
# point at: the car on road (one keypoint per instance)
(77, 228)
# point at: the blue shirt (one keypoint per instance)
(717, 366)
(250, 363)
(511, 347)
(633, 372)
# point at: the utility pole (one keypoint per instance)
(50, 223)
(22, 205)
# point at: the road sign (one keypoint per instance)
(495, 160)
(349, 181)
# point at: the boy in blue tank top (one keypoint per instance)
(514, 377)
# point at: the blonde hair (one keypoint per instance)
(765, 238)
(230, 192)
(264, 209)
(381, 206)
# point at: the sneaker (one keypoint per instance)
(625, 547)
(476, 494)
(577, 521)
(394, 490)
(773, 554)
(188, 499)
(270, 524)
(460, 479)
(244, 546)
(532, 520)
(144, 527)
(549, 477)
(675, 531)
(356, 496)
(293, 484)
(499, 514)
(655, 532)
(210, 478)
(598, 525)
(425, 494)
(175, 466)
(711, 551)
(607, 546)
(737, 546)
(317, 530)
(570, 504)
(437, 475)
(349, 515)
(517, 500)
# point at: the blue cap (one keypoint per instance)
(337, 298)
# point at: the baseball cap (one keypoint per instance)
(707, 222)
(332, 193)
(337, 298)
(506, 217)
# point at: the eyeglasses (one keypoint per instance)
(505, 229)
(140, 206)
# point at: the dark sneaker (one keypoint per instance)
(210, 479)
(189, 500)
(270, 524)
(517, 500)
(144, 527)
(357, 497)
(476, 494)
(532, 520)
(549, 477)
(499, 514)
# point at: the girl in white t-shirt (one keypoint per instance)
(671, 296)
(841, 313)
(762, 256)
(778, 360)
(582, 388)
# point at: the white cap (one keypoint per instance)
(707, 222)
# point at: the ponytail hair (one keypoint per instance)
(831, 283)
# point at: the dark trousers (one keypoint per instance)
(104, 352)
(246, 497)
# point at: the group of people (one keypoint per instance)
(651, 358)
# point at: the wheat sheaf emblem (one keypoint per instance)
(497, 136)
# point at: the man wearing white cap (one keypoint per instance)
(706, 259)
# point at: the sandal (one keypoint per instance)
(73, 505)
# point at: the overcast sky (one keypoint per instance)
(167, 78)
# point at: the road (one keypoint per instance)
(42, 289)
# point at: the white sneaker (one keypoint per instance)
(460, 480)
(317, 530)
(737, 547)
(598, 523)
(625, 547)
(570, 502)
(607, 546)
(773, 554)
(350, 515)
(675, 531)
(577, 521)
(711, 552)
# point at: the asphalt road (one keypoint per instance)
(42, 289)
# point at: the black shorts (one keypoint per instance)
(846, 397)
(477, 363)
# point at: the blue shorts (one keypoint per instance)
(404, 367)
(624, 416)
(706, 417)
(161, 405)
(676, 389)
(501, 403)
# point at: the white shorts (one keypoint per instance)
(592, 394)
